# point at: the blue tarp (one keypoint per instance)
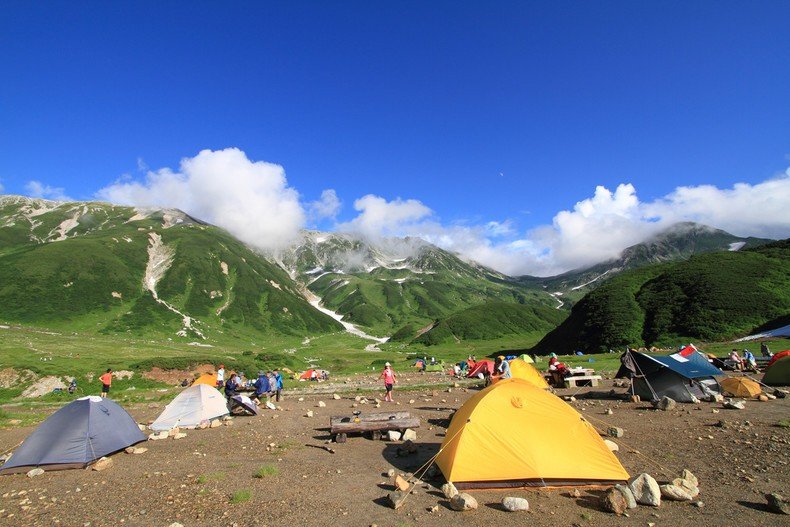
(695, 366)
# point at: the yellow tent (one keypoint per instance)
(521, 370)
(740, 387)
(207, 378)
(513, 434)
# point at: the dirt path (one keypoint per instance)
(192, 480)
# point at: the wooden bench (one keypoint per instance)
(373, 424)
(582, 380)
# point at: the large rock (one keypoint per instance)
(449, 490)
(646, 490)
(397, 498)
(102, 464)
(611, 445)
(463, 502)
(615, 431)
(401, 483)
(665, 403)
(409, 435)
(688, 476)
(393, 435)
(515, 504)
(734, 405)
(614, 501)
(675, 493)
(216, 423)
(156, 436)
(625, 490)
(686, 485)
(777, 503)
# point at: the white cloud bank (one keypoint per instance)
(252, 200)
(36, 189)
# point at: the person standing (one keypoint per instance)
(221, 376)
(278, 385)
(764, 351)
(389, 380)
(106, 381)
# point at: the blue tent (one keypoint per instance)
(683, 377)
(75, 436)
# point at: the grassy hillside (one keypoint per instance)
(710, 297)
(490, 321)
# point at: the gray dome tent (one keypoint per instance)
(75, 436)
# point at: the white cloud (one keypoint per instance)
(2, 188)
(379, 217)
(36, 189)
(328, 206)
(252, 200)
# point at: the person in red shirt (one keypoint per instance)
(389, 380)
(106, 381)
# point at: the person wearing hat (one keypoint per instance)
(502, 368)
(221, 376)
(389, 380)
(261, 386)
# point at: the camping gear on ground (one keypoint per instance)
(740, 387)
(483, 367)
(209, 379)
(75, 436)
(194, 405)
(435, 367)
(778, 372)
(242, 405)
(521, 370)
(373, 424)
(685, 376)
(514, 434)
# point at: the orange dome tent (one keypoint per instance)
(209, 379)
(740, 387)
(513, 434)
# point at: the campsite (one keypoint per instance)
(281, 468)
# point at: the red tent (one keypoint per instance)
(778, 356)
(484, 366)
(306, 376)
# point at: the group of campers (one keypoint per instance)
(268, 385)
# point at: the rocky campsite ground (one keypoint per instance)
(272, 470)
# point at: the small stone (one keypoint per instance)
(35, 472)
(142, 428)
(614, 501)
(636, 399)
(336, 397)
(136, 450)
(228, 422)
(615, 431)
(777, 503)
(309, 413)
(321, 404)
(391, 473)
(173, 431)
(611, 445)
(449, 490)
(409, 435)
(625, 490)
(675, 493)
(734, 405)
(608, 411)
(411, 401)
(175, 524)
(665, 404)
(646, 490)
(401, 484)
(515, 504)
(698, 504)
(393, 435)
(301, 399)
(463, 502)
(397, 498)
(409, 446)
(215, 424)
(435, 508)
(763, 398)
(575, 493)
(102, 464)
(182, 435)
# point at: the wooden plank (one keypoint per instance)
(573, 382)
(369, 426)
(380, 416)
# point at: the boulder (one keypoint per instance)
(625, 490)
(614, 501)
(393, 435)
(777, 503)
(611, 445)
(397, 498)
(401, 483)
(409, 435)
(409, 446)
(646, 490)
(686, 485)
(675, 493)
(515, 504)
(463, 502)
(665, 404)
(35, 472)
(615, 431)
(688, 476)
(734, 405)
(102, 464)
(449, 490)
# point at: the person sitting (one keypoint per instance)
(737, 362)
(501, 368)
(749, 361)
(262, 386)
(557, 370)
(231, 386)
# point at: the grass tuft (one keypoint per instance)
(240, 496)
(266, 470)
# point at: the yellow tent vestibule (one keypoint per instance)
(514, 434)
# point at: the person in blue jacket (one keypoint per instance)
(278, 387)
(261, 386)
(231, 386)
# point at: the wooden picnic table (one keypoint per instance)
(373, 423)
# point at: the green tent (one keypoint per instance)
(526, 358)
(778, 373)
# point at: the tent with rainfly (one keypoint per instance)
(75, 436)
(484, 366)
(685, 376)
(209, 379)
(778, 372)
(521, 370)
(194, 405)
(514, 434)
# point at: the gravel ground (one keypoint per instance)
(193, 480)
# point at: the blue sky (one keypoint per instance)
(495, 117)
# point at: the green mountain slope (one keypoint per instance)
(488, 321)
(713, 296)
(119, 269)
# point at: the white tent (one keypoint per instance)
(197, 403)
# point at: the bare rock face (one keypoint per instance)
(463, 502)
(515, 504)
(614, 501)
(646, 490)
